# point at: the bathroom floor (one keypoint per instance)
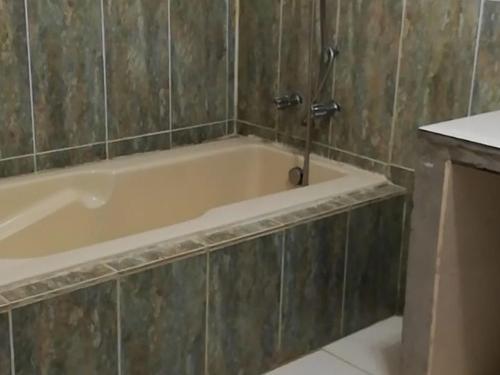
(373, 351)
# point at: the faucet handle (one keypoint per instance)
(287, 101)
(328, 109)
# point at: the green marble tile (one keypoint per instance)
(16, 137)
(244, 290)
(366, 76)
(232, 16)
(295, 64)
(436, 68)
(313, 285)
(405, 178)
(142, 144)
(71, 334)
(486, 90)
(371, 291)
(67, 68)
(258, 61)
(198, 135)
(4, 345)
(72, 157)
(163, 319)
(137, 66)
(199, 62)
(15, 167)
(262, 132)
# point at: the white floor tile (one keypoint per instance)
(319, 363)
(375, 349)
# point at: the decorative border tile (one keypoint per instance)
(54, 284)
(155, 255)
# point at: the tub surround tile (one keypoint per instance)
(376, 193)
(374, 251)
(199, 134)
(199, 62)
(359, 161)
(231, 30)
(16, 137)
(71, 334)
(258, 61)
(244, 307)
(137, 66)
(313, 285)
(366, 76)
(48, 286)
(435, 77)
(321, 128)
(295, 63)
(149, 143)
(18, 166)
(155, 255)
(486, 94)
(71, 157)
(4, 345)
(236, 233)
(163, 319)
(246, 129)
(67, 68)
(4, 304)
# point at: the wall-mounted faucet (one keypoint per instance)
(324, 110)
(287, 101)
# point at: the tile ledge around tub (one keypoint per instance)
(53, 284)
(50, 285)
(156, 255)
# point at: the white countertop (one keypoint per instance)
(483, 129)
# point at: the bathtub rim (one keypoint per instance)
(19, 270)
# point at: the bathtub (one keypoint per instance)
(59, 219)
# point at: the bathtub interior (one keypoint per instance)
(58, 211)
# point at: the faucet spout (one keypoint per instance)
(322, 110)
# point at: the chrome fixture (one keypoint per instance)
(324, 110)
(288, 101)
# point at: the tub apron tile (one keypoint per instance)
(74, 334)
(244, 289)
(374, 251)
(4, 345)
(313, 285)
(163, 319)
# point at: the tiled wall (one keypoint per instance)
(237, 306)
(402, 64)
(92, 79)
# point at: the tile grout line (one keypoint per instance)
(397, 81)
(111, 141)
(334, 72)
(170, 115)
(11, 344)
(344, 281)
(350, 153)
(476, 56)
(400, 293)
(236, 63)
(105, 83)
(282, 288)
(228, 6)
(30, 80)
(278, 75)
(207, 306)
(119, 325)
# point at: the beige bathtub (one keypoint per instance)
(59, 219)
